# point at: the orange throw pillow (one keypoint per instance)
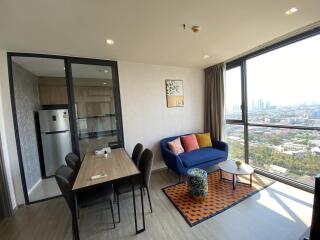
(190, 142)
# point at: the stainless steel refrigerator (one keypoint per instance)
(55, 138)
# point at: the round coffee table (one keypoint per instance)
(230, 166)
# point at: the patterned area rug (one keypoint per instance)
(220, 196)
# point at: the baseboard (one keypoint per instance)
(34, 186)
(14, 211)
(160, 169)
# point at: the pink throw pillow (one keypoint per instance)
(175, 146)
(190, 142)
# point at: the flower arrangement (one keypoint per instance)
(238, 163)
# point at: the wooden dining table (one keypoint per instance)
(114, 167)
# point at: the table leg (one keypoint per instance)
(250, 180)
(220, 174)
(233, 181)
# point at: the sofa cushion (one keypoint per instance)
(204, 140)
(200, 156)
(190, 142)
(175, 146)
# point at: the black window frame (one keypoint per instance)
(241, 61)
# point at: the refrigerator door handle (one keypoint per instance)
(56, 132)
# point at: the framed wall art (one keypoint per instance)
(174, 92)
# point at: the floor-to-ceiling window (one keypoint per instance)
(275, 123)
(234, 129)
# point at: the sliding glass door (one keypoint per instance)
(279, 130)
(96, 105)
(60, 104)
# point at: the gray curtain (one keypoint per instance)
(214, 100)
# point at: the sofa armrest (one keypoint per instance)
(220, 145)
(172, 161)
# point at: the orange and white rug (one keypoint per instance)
(221, 196)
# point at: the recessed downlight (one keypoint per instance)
(110, 41)
(206, 56)
(104, 83)
(291, 11)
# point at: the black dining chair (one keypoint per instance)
(136, 154)
(73, 161)
(65, 178)
(145, 167)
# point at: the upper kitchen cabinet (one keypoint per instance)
(53, 91)
(94, 101)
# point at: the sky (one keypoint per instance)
(286, 76)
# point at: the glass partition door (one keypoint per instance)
(96, 106)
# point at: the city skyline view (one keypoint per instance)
(291, 70)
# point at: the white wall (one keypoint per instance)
(8, 136)
(146, 118)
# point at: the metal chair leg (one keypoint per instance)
(114, 197)
(134, 207)
(149, 199)
(111, 207)
(74, 218)
(118, 203)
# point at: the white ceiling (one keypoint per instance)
(149, 31)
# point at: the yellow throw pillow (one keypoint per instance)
(204, 140)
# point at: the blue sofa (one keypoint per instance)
(200, 158)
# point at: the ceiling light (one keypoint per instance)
(104, 70)
(104, 83)
(291, 11)
(206, 56)
(110, 41)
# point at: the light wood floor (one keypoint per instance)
(278, 212)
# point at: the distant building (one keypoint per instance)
(315, 143)
(267, 105)
(298, 153)
(234, 138)
(291, 149)
(260, 104)
(289, 146)
(278, 169)
(315, 151)
(315, 114)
